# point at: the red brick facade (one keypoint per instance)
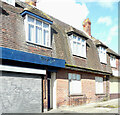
(13, 37)
(88, 89)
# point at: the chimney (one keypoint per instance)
(87, 26)
(31, 2)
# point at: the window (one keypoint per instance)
(102, 54)
(99, 85)
(12, 2)
(113, 61)
(37, 31)
(74, 84)
(78, 46)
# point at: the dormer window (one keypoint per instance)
(12, 2)
(37, 28)
(112, 61)
(102, 54)
(78, 46)
(37, 31)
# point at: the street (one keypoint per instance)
(111, 106)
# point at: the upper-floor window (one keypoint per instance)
(102, 54)
(74, 84)
(112, 61)
(78, 46)
(37, 31)
(12, 2)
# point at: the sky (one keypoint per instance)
(103, 15)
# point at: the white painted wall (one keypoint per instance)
(115, 72)
(22, 69)
(114, 85)
(53, 90)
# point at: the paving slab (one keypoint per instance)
(110, 106)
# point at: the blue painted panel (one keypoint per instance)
(34, 15)
(16, 55)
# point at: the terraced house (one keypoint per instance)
(47, 63)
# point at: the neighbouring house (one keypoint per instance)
(47, 63)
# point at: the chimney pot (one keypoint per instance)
(31, 2)
(87, 26)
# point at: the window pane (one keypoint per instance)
(30, 19)
(46, 37)
(31, 32)
(74, 37)
(79, 39)
(74, 47)
(45, 25)
(78, 77)
(38, 23)
(78, 49)
(83, 41)
(69, 76)
(39, 35)
(74, 76)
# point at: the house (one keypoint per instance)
(114, 60)
(47, 63)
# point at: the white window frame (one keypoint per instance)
(102, 54)
(99, 85)
(34, 24)
(81, 51)
(112, 61)
(74, 84)
(11, 2)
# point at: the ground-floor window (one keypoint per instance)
(74, 84)
(99, 85)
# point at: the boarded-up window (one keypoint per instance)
(99, 85)
(74, 84)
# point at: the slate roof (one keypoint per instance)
(109, 51)
(61, 44)
(32, 9)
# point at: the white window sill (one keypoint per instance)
(114, 67)
(104, 63)
(79, 56)
(76, 95)
(100, 94)
(39, 45)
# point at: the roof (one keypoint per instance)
(110, 51)
(99, 43)
(61, 48)
(32, 9)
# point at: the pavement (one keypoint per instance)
(110, 106)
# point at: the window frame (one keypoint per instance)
(75, 49)
(113, 61)
(97, 90)
(102, 54)
(74, 80)
(42, 28)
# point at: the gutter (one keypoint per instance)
(83, 69)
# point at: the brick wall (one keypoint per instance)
(88, 89)
(13, 32)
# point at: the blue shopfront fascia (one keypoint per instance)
(21, 56)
